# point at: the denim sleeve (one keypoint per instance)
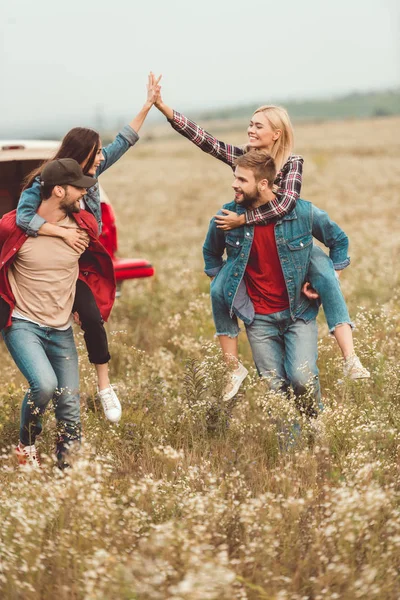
(213, 249)
(28, 204)
(126, 138)
(330, 234)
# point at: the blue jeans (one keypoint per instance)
(286, 352)
(322, 277)
(320, 273)
(224, 324)
(48, 359)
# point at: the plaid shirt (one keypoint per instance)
(287, 182)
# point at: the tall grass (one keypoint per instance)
(189, 498)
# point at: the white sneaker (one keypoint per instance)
(236, 380)
(110, 403)
(353, 368)
(27, 455)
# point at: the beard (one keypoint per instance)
(68, 206)
(248, 199)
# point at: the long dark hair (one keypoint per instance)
(79, 143)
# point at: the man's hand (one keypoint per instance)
(77, 319)
(229, 220)
(309, 291)
(77, 238)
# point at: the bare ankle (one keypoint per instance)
(344, 336)
(103, 380)
(232, 361)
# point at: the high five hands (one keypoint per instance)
(153, 88)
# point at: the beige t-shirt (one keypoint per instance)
(43, 278)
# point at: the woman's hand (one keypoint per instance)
(167, 111)
(78, 239)
(153, 88)
(229, 220)
(309, 291)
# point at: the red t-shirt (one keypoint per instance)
(263, 276)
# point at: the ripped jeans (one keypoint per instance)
(48, 359)
(322, 277)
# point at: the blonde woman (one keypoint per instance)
(270, 130)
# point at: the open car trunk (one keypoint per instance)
(12, 175)
(15, 165)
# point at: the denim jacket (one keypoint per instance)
(30, 199)
(294, 241)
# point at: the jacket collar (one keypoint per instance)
(289, 217)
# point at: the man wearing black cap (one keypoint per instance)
(37, 281)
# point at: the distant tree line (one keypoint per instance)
(355, 105)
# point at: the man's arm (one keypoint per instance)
(329, 233)
(213, 249)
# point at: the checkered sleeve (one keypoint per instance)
(287, 191)
(204, 140)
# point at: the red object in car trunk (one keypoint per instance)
(125, 268)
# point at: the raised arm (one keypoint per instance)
(196, 134)
(287, 194)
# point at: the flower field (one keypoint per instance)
(189, 498)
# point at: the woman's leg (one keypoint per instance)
(227, 328)
(97, 345)
(92, 324)
(344, 337)
(230, 349)
(323, 279)
(227, 331)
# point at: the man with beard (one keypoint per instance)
(38, 278)
(264, 274)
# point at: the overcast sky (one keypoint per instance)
(69, 60)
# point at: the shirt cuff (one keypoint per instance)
(129, 134)
(34, 225)
(212, 272)
(342, 265)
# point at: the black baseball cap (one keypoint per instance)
(65, 171)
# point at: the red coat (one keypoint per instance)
(95, 265)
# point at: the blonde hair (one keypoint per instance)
(278, 118)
